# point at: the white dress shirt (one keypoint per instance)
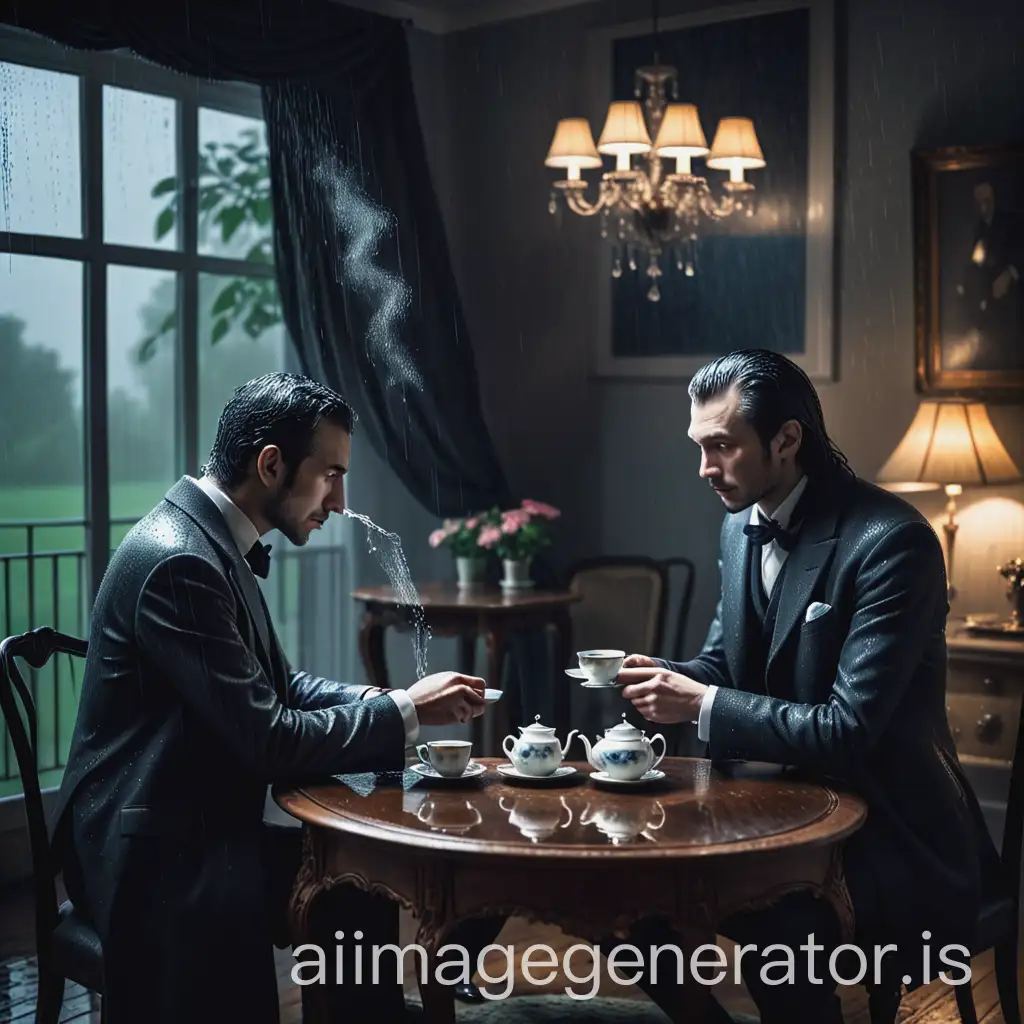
(245, 534)
(772, 558)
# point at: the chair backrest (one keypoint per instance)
(623, 603)
(36, 648)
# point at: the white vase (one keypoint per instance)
(471, 571)
(516, 573)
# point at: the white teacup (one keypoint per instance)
(447, 757)
(601, 667)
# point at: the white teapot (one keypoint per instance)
(535, 816)
(624, 824)
(537, 751)
(625, 753)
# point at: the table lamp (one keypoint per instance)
(950, 444)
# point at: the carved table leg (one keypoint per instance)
(371, 647)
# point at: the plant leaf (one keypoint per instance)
(230, 219)
(161, 188)
(227, 298)
(220, 328)
(164, 222)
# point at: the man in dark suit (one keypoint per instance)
(827, 654)
(189, 710)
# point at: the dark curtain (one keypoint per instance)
(362, 261)
(363, 267)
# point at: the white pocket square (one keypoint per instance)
(815, 610)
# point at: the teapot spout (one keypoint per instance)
(568, 740)
(590, 754)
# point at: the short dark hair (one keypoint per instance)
(772, 389)
(282, 409)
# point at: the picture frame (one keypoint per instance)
(968, 207)
(812, 345)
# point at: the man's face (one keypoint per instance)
(318, 488)
(733, 460)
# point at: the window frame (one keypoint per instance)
(96, 69)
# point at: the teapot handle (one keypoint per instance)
(664, 750)
(504, 745)
(501, 804)
(658, 806)
(569, 809)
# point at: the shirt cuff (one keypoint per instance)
(704, 718)
(409, 716)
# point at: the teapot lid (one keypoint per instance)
(624, 730)
(536, 729)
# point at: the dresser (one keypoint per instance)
(984, 691)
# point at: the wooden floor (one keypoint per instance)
(932, 1005)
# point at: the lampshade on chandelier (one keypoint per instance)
(648, 209)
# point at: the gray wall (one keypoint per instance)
(613, 454)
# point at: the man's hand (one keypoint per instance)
(447, 697)
(661, 696)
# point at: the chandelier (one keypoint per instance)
(645, 210)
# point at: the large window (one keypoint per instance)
(136, 291)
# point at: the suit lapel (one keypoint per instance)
(198, 507)
(816, 543)
(735, 573)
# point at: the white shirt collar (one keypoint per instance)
(243, 533)
(785, 511)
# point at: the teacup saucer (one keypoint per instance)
(577, 673)
(604, 779)
(491, 694)
(473, 770)
(509, 771)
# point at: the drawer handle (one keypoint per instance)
(989, 728)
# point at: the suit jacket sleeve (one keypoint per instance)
(710, 666)
(900, 601)
(186, 623)
(310, 693)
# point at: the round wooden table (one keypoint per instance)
(695, 847)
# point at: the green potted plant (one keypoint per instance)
(461, 537)
(516, 536)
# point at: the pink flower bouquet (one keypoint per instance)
(520, 533)
(461, 536)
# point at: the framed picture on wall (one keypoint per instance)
(969, 271)
(758, 278)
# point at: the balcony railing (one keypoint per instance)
(43, 581)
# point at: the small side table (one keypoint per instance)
(467, 614)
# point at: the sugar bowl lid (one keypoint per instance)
(535, 729)
(624, 731)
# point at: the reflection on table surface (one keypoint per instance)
(695, 806)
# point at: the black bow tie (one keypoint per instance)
(259, 559)
(767, 531)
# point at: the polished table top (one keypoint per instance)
(696, 811)
(443, 596)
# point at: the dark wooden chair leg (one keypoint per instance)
(965, 1004)
(1006, 979)
(50, 997)
(884, 1004)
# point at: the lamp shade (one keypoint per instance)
(948, 443)
(735, 146)
(624, 131)
(573, 145)
(681, 133)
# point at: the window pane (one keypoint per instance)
(40, 157)
(42, 567)
(253, 342)
(234, 187)
(139, 159)
(141, 362)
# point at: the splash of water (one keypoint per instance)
(387, 548)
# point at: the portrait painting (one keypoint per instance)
(969, 265)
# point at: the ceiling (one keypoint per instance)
(452, 15)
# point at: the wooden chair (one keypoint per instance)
(67, 946)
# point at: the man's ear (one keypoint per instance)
(270, 467)
(789, 438)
